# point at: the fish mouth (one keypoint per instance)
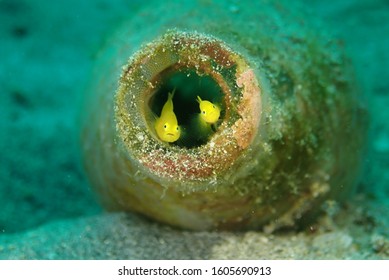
(170, 134)
(213, 117)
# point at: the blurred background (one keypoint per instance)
(47, 50)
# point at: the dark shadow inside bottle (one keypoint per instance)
(187, 85)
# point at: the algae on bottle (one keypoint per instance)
(291, 129)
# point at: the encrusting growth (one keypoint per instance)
(284, 106)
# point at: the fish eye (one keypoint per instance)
(203, 112)
(177, 128)
(165, 126)
(213, 106)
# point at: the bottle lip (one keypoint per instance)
(142, 76)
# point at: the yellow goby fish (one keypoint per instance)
(210, 113)
(166, 125)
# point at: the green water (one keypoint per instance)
(47, 50)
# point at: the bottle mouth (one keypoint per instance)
(199, 72)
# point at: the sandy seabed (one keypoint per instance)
(47, 50)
